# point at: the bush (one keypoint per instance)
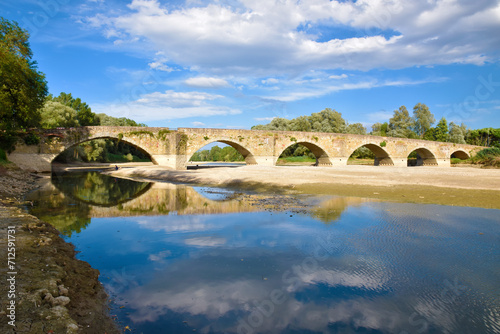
(488, 157)
(3, 155)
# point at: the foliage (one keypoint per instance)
(457, 133)
(327, 120)
(401, 124)
(84, 114)
(31, 139)
(216, 153)
(103, 150)
(22, 87)
(441, 131)
(380, 129)
(55, 114)
(423, 119)
(3, 156)
(362, 153)
(383, 144)
(488, 156)
(106, 120)
(356, 129)
(483, 137)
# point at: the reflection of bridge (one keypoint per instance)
(175, 148)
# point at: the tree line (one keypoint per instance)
(401, 124)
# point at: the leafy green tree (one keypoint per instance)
(401, 124)
(380, 129)
(441, 131)
(84, 114)
(423, 119)
(300, 124)
(328, 120)
(356, 129)
(55, 114)
(456, 134)
(107, 120)
(22, 87)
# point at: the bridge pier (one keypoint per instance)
(265, 160)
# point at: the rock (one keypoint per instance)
(61, 300)
(62, 290)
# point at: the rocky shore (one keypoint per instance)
(45, 289)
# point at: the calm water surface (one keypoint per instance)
(180, 259)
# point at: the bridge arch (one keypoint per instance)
(460, 154)
(382, 157)
(425, 157)
(124, 140)
(247, 155)
(322, 157)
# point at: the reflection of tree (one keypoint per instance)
(331, 210)
(98, 189)
(62, 212)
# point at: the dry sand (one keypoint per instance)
(465, 186)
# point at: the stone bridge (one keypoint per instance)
(174, 148)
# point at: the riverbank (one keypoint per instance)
(462, 186)
(54, 292)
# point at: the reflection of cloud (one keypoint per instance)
(194, 287)
(205, 241)
(160, 256)
(179, 224)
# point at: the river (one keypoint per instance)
(176, 258)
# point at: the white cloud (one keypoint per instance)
(205, 82)
(262, 37)
(260, 119)
(205, 241)
(336, 77)
(198, 123)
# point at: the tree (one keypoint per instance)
(379, 129)
(22, 87)
(423, 119)
(55, 114)
(356, 129)
(441, 130)
(401, 124)
(328, 120)
(84, 114)
(106, 120)
(300, 124)
(456, 134)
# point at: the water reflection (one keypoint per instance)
(177, 259)
(69, 201)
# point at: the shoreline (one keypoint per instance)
(54, 291)
(459, 186)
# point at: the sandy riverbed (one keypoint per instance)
(464, 186)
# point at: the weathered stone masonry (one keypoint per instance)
(174, 148)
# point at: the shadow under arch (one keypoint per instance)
(424, 158)
(322, 157)
(134, 145)
(247, 155)
(382, 158)
(460, 154)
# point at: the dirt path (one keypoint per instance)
(464, 186)
(54, 292)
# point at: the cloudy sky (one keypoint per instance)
(237, 63)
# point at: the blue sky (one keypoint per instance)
(237, 63)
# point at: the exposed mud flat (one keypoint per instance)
(55, 292)
(462, 186)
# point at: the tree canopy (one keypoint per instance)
(22, 87)
(84, 114)
(401, 124)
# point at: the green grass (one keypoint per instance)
(296, 159)
(123, 158)
(487, 157)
